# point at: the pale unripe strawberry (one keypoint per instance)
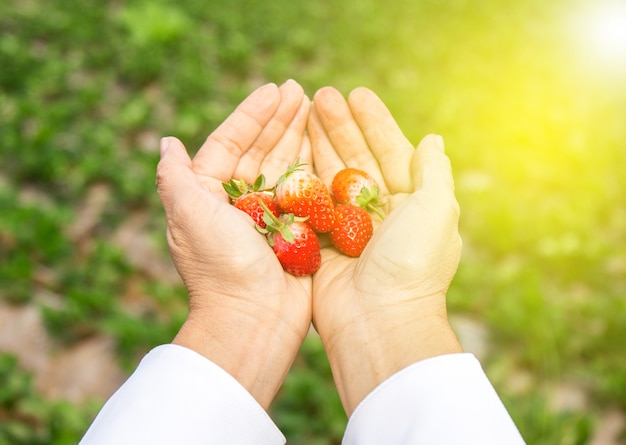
(306, 196)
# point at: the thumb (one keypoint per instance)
(174, 176)
(431, 169)
(417, 248)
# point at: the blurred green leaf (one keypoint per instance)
(533, 124)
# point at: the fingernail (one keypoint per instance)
(165, 143)
(439, 142)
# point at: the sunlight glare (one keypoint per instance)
(600, 30)
(608, 31)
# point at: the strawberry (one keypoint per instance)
(250, 203)
(248, 197)
(294, 242)
(352, 230)
(305, 195)
(356, 187)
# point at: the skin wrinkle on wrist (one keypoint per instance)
(250, 366)
(367, 354)
(254, 357)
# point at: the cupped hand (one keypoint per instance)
(246, 314)
(386, 309)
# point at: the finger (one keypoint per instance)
(417, 245)
(432, 171)
(291, 100)
(290, 146)
(175, 178)
(220, 154)
(344, 133)
(419, 239)
(325, 159)
(391, 148)
(306, 154)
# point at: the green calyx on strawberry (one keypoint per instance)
(248, 198)
(294, 242)
(356, 187)
(238, 187)
(369, 200)
(299, 206)
(305, 195)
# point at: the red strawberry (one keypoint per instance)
(356, 187)
(247, 198)
(352, 231)
(294, 242)
(250, 203)
(306, 196)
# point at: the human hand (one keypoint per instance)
(246, 314)
(385, 310)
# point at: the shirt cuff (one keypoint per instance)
(441, 400)
(178, 396)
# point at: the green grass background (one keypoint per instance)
(534, 124)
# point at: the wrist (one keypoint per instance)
(369, 350)
(257, 353)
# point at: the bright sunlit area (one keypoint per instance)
(529, 96)
(600, 28)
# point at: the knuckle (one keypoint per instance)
(227, 142)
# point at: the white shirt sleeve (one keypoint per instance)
(176, 396)
(442, 400)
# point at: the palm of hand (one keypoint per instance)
(414, 253)
(234, 265)
(215, 247)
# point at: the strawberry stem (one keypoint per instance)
(376, 210)
(277, 225)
